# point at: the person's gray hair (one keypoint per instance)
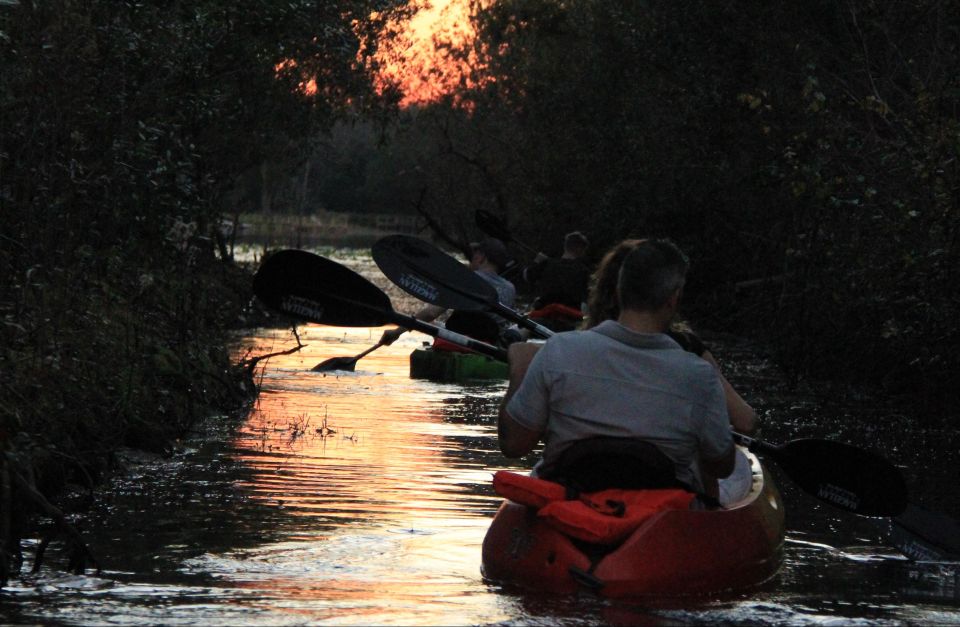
(651, 274)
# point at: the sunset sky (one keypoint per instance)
(415, 55)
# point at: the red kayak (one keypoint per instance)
(673, 550)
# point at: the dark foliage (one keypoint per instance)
(127, 128)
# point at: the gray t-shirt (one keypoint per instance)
(611, 381)
(506, 292)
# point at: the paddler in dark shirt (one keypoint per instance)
(560, 285)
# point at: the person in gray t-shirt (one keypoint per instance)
(623, 378)
(487, 258)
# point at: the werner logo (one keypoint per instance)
(301, 307)
(836, 494)
(418, 287)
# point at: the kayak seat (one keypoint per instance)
(599, 463)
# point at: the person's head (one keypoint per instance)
(602, 303)
(652, 276)
(490, 250)
(575, 244)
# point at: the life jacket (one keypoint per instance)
(604, 517)
(557, 310)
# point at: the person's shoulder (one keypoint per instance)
(688, 341)
(698, 372)
(572, 338)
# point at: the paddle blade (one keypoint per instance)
(926, 535)
(423, 270)
(847, 477)
(336, 363)
(317, 289)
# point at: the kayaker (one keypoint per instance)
(487, 258)
(602, 305)
(623, 378)
(564, 280)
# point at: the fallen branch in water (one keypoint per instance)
(250, 364)
(80, 553)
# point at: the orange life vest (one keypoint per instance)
(556, 310)
(604, 517)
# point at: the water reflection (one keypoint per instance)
(370, 445)
(390, 478)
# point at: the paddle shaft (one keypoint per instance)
(520, 319)
(414, 324)
(367, 352)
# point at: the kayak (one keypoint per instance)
(672, 552)
(454, 366)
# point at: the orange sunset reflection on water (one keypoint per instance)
(382, 481)
(372, 440)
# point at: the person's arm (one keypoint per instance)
(743, 418)
(515, 439)
(717, 451)
(427, 313)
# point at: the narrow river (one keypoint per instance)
(363, 498)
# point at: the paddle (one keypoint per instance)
(423, 270)
(317, 289)
(494, 227)
(845, 476)
(343, 363)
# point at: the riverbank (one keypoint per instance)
(131, 355)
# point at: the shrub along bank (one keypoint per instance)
(128, 129)
(101, 355)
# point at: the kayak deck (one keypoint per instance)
(676, 552)
(453, 366)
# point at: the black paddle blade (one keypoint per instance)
(925, 535)
(336, 363)
(423, 270)
(845, 476)
(317, 289)
(344, 363)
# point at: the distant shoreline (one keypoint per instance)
(342, 230)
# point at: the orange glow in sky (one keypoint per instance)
(430, 55)
(307, 87)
